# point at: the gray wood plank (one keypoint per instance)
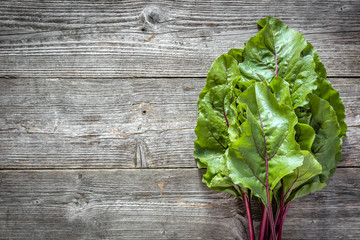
(119, 123)
(158, 204)
(161, 38)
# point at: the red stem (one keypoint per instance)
(282, 220)
(280, 210)
(271, 221)
(277, 216)
(269, 208)
(267, 232)
(248, 215)
(263, 225)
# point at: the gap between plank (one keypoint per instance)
(115, 169)
(138, 77)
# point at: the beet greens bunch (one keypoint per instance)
(270, 125)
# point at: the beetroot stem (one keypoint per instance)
(248, 215)
(263, 223)
(282, 219)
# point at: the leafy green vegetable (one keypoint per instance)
(267, 150)
(224, 71)
(327, 143)
(277, 51)
(328, 93)
(297, 184)
(281, 90)
(270, 125)
(304, 136)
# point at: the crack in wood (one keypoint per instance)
(140, 155)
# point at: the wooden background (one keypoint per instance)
(98, 106)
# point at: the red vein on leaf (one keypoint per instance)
(217, 140)
(276, 62)
(262, 127)
(257, 148)
(293, 91)
(266, 161)
(227, 123)
(304, 173)
(279, 146)
(260, 77)
(269, 209)
(259, 179)
(285, 59)
(318, 150)
(267, 66)
(227, 81)
(297, 177)
(261, 61)
(293, 87)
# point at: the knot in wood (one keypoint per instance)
(152, 16)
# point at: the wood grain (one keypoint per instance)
(98, 109)
(161, 38)
(158, 204)
(117, 123)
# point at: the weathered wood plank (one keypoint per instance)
(328, 214)
(158, 204)
(157, 39)
(120, 123)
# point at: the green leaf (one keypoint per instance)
(302, 80)
(222, 183)
(306, 189)
(215, 114)
(304, 136)
(200, 164)
(319, 69)
(224, 71)
(242, 85)
(281, 90)
(234, 127)
(216, 176)
(327, 143)
(212, 136)
(328, 93)
(303, 114)
(277, 51)
(268, 135)
(325, 90)
(215, 164)
(297, 183)
(237, 54)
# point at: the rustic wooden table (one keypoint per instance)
(98, 106)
